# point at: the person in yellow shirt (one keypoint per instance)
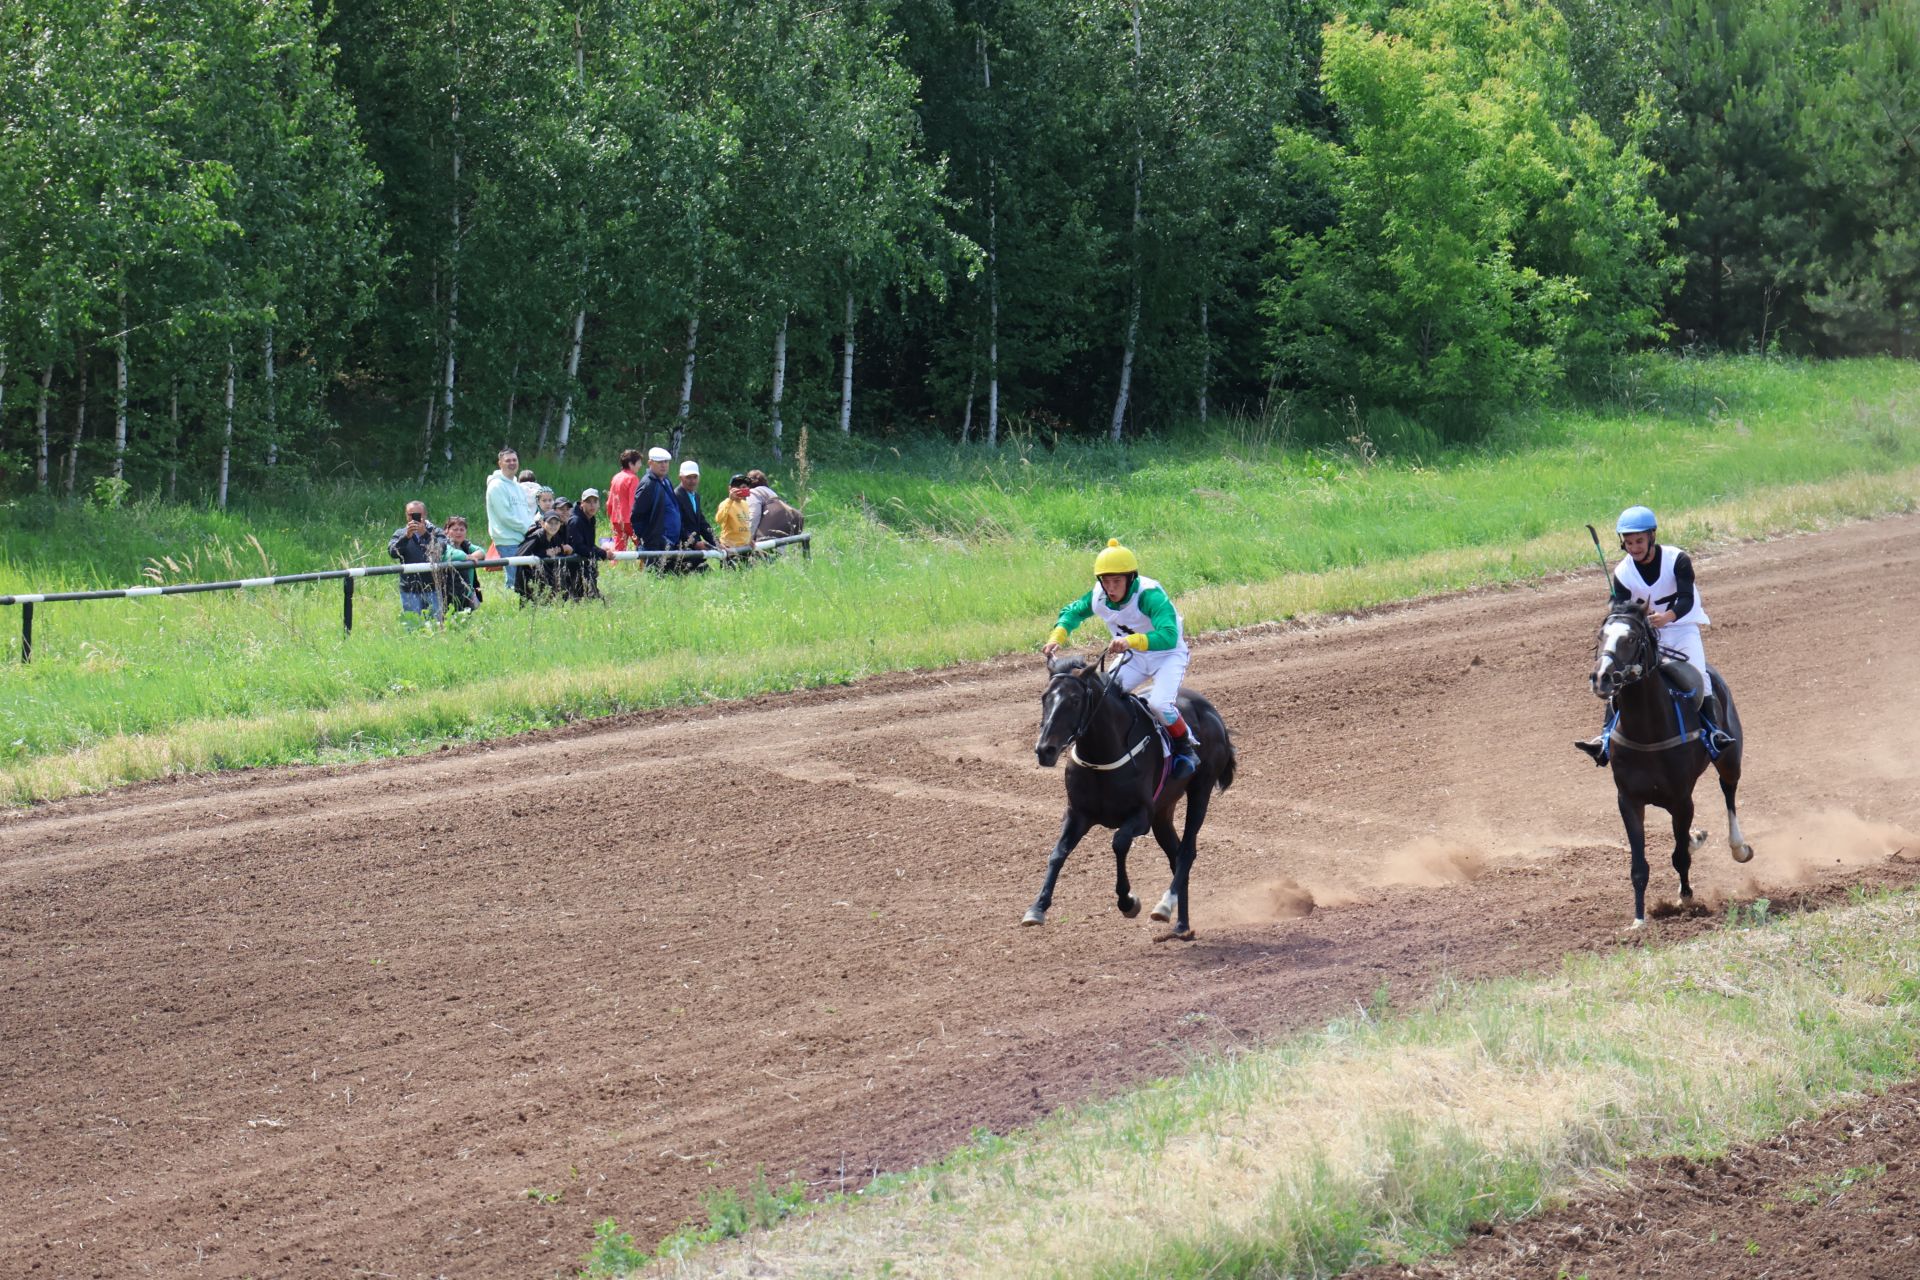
(730, 518)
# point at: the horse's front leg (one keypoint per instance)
(1123, 841)
(1683, 845)
(1634, 814)
(1072, 828)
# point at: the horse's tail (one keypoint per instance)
(1233, 758)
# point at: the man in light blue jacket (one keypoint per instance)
(509, 511)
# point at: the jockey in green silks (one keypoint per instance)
(1145, 624)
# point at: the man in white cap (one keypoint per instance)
(695, 533)
(656, 517)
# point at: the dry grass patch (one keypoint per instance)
(1386, 1135)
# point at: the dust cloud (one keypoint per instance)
(1432, 863)
(1283, 898)
(1808, 845)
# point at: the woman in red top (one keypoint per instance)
(620, 498)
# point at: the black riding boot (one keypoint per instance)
(1596, 746)
(1710, 723)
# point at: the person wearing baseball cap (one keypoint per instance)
(656, 517)
(731, 516)
(695, 533)
(581, 580)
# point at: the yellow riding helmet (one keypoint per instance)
(1114, 558)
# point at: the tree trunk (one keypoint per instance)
(573, 372)
(226, 441)
(453, 293)
(79, 430)
(966, 419)
(686, 370)
(993, 275)
(40, 421)
(426, 430)
(1133, 304)
(1206, 359)
(120, 393)
(513, 390)
(273, 405)
(173, 414)
(779, 378)
(846, 373)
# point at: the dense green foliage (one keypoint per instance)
(275, 238)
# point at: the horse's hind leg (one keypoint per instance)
(1728, 766)
(1197, 802)
(1169, 845)
(1072, 828)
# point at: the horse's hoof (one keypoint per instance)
(1130, 908)
(1164, 912)
(1177, 935)
(1034, 916)
(1744, 853)
(1699, 838)
(1640, 922)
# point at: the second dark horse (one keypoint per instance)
(1655, 747)
(1115, 773)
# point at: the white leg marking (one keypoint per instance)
(1736, 840)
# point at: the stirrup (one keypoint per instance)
(1595, 747)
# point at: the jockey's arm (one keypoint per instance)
(1070, 617)
(1166, 623)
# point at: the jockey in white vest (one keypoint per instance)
(1661, 578)
(1143, 620)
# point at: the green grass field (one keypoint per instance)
(925, 555)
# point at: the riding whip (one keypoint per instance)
(1595, 535)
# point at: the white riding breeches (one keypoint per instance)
(1160, 674)
(1684, 639)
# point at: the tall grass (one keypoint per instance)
(927, 554)
(1386, 1136)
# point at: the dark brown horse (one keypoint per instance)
(1116, 777)
(1655, 747)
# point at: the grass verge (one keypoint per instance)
(1385, 1136)
(929, 556)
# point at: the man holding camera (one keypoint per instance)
(419, 541)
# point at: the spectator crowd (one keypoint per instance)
(646, 509)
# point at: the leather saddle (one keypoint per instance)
(1683, 679)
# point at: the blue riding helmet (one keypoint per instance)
(1636, 520)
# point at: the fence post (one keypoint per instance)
(806, 550)
(26, 632)
(346, 605)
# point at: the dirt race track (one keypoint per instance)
(334, 1022)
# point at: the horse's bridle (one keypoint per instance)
(1647, 649)
(1093, 705)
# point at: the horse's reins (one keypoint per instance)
(1086, 719)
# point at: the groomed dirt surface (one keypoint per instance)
(1834, 1199)
(335, 1022)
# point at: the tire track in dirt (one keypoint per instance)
(298, 1022)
